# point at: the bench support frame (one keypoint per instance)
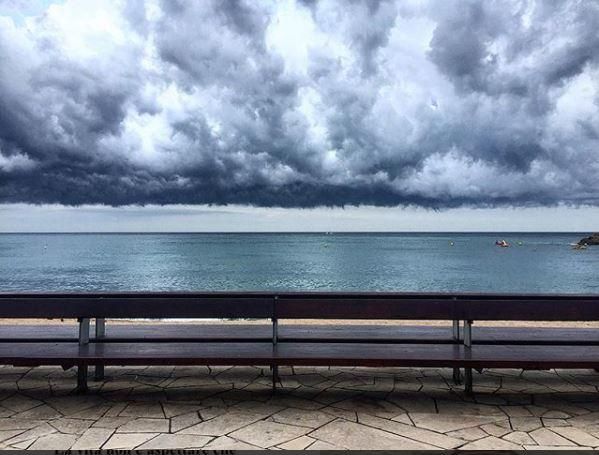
(468, 344)
(100, 333)
(275, 337)
(457, 375)
(82, 368)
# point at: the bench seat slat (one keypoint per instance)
(308, 354)
(165, 332)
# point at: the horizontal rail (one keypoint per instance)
(302, 305)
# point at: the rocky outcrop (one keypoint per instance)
(593, 239)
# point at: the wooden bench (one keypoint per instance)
(277, 344)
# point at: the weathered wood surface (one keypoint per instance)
(222, 332)
(302, 305)
(309, 354)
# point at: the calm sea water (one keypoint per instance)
(396, 262)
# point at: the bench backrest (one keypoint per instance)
(302, 305)
(137, 305)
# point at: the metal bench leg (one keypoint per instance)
(468, 344)
(81, 368)
(275, 368)
(100, 333)
(457, 376)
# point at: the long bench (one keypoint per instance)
(307, 344)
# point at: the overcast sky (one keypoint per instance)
(299, 115)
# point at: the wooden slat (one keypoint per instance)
(16, 353)
(307, 354)
(369, 307)
(136, 306)
(413, 355)
(164, 332)
(298, 305)
(529, 310)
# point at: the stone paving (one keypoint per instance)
(315, 408)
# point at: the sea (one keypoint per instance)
(445, 262)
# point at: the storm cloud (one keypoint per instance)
(300, 104)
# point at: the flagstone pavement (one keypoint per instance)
(314, 408)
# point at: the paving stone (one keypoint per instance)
(19, 424)
(8, 434)
(403, 418)
(343, 413)
(297, 444)
(350, 435)
(516, 411)
(128, 440)
(193, 382)
(321, 445)
(227, 443)
(577, 435)
(266, 434)
(491, 443)
(92, 439)
(95, 412)
(22, 445)
(56, 441)
(469, 409)
(43, 412)
(412, 432)
(584, 420)
(224, 424)
(118, 384)
(181, 422)
(187, 394)
(558, 404)
(180, 441)
(555, 422)
(71, 426)
(519, 437)
(153, 410)
(37, 432)
(556, 415)
(4, 412)
(446, 422)
(536, 411)
(212, 412)
(256, 407)
(295, 402)
(381, 408)
(525, 423)
(143, 425)
(494, 429)
(468, 434)
(546, 437)
(112, 422)
(176, 409)
(69, 405)
(20, 403)
(301, 417)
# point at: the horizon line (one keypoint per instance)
(287, 232)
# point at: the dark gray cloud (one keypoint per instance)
(301, 104)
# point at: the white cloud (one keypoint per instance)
(299, 103)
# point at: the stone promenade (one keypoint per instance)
(315, 408)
